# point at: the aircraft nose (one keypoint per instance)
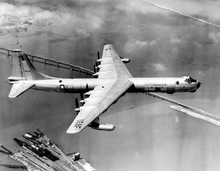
(198, 84)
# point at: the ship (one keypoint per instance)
(39, 153)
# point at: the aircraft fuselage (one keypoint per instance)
(149, 84)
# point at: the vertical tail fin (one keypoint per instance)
(28, 70)
(16, 71)
(23, 69)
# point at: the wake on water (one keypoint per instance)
(185, 15)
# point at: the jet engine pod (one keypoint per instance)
(103, 127)
(17, 50)
(125, 60)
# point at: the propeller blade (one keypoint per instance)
(96, 63)
(77, 106)
(94, 67)
(98, 55)
(77, 103)
(81, 96)
(87, 88)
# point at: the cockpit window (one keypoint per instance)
(190, 79)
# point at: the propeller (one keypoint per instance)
(96, 65)
(98, 55)
(95, 71)
(77, 106)
(94, 68)
(87, 87)
(77, 103)
(82, 98)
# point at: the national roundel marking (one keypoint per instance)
(62, 87)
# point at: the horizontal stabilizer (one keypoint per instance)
(19, 88)
(197, 113)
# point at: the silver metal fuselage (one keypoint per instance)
(149, 84)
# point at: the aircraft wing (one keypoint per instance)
(103, 96)
(111, 65)
(197, 113)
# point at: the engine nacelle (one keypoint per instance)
(103, 127)
(77, 110)
(125, 60)
(17, 50)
